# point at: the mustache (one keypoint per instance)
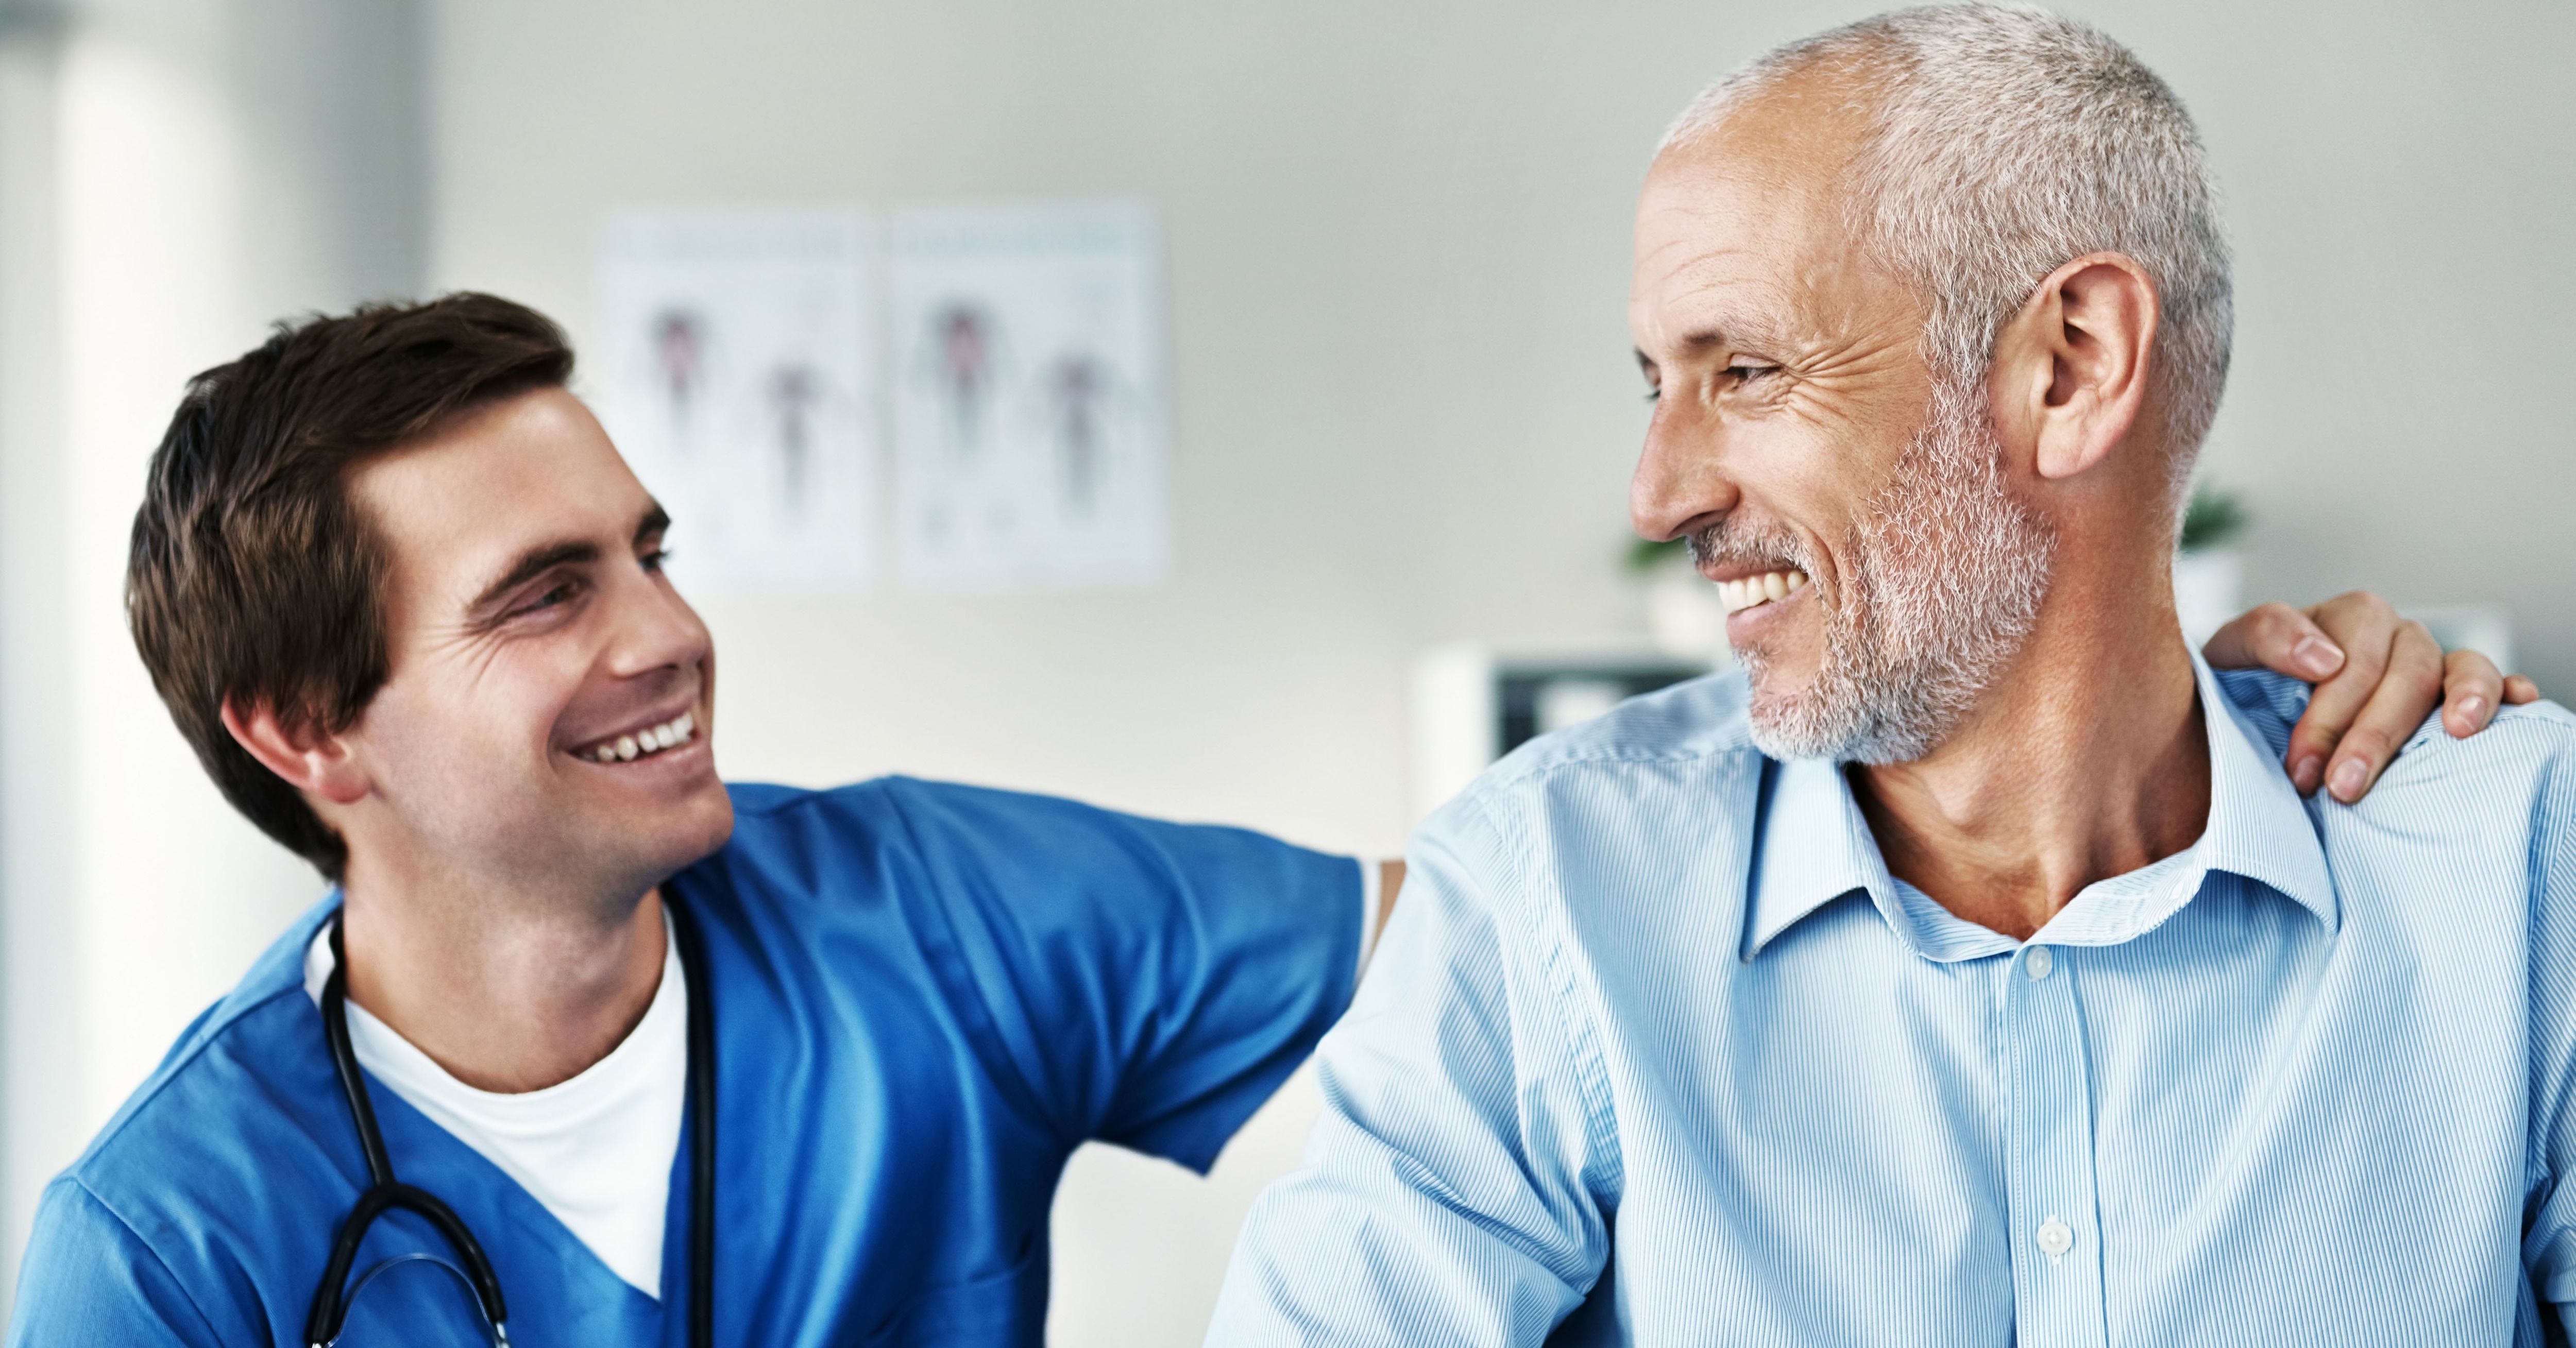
(1753, 542)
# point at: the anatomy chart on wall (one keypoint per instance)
(1027, 384)
(734, 369)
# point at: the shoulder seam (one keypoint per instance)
(100, 1202)
(1592, 1073)
(2532, 714)
(164, 1075)
(1546, 767)
(799, 796)
(2519, 716)
(975, 988)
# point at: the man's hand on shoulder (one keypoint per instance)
(2377, 676)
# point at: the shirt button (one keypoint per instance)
(2038, 962)
(2055, 1238)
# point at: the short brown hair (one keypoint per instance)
(254, 579)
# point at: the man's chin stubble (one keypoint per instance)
(1945, 576)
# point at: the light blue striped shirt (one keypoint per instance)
(1656, 1051)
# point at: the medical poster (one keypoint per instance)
(1027, 386)
(735, 370)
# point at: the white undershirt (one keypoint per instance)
(596, 1150)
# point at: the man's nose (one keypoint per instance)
(1681, 485)
(655, 629)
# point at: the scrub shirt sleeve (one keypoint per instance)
(1149, 983)
(89, 1279)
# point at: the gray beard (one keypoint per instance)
(1943, 581)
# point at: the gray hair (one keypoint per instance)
(2006, 143)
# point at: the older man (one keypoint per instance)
(1970, 971)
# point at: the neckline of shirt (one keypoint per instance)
(1814, 846)
(383, 1050)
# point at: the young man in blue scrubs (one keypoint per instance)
(407, 603)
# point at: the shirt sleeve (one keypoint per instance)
(2549, 1237)
(88, 1279)
(1457, 1188)
(1152, 983)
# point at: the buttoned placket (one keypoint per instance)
(2052, 1193)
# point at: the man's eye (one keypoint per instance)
(553, 596)
(656, 559)
(1654, 393)
(1746, 373)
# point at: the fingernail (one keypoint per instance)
(2317, 655)
(2348, 777)
(2471, 708)
(2305, 775)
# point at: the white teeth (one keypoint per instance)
(644, 743)
(1739, 595)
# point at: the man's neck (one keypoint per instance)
(505, 996)
(2089, 760)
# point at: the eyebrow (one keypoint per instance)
(545, 557)
(1738, 333)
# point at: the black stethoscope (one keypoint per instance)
(331, 1301)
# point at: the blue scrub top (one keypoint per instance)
(925, 997)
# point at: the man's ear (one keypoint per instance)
(308, 758)
(2072, 366)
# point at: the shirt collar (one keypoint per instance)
(1815, 847)
(2259, 825)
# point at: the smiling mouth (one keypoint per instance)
(1755, 591)
(644, 743)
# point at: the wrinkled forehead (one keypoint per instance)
(1754, 211)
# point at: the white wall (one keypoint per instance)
(2401, 182)
(1404, 405)
(176, 176)
(36, 1056)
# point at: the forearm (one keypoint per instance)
(1390, 884)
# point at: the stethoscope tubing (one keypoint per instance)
(385, 1193)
